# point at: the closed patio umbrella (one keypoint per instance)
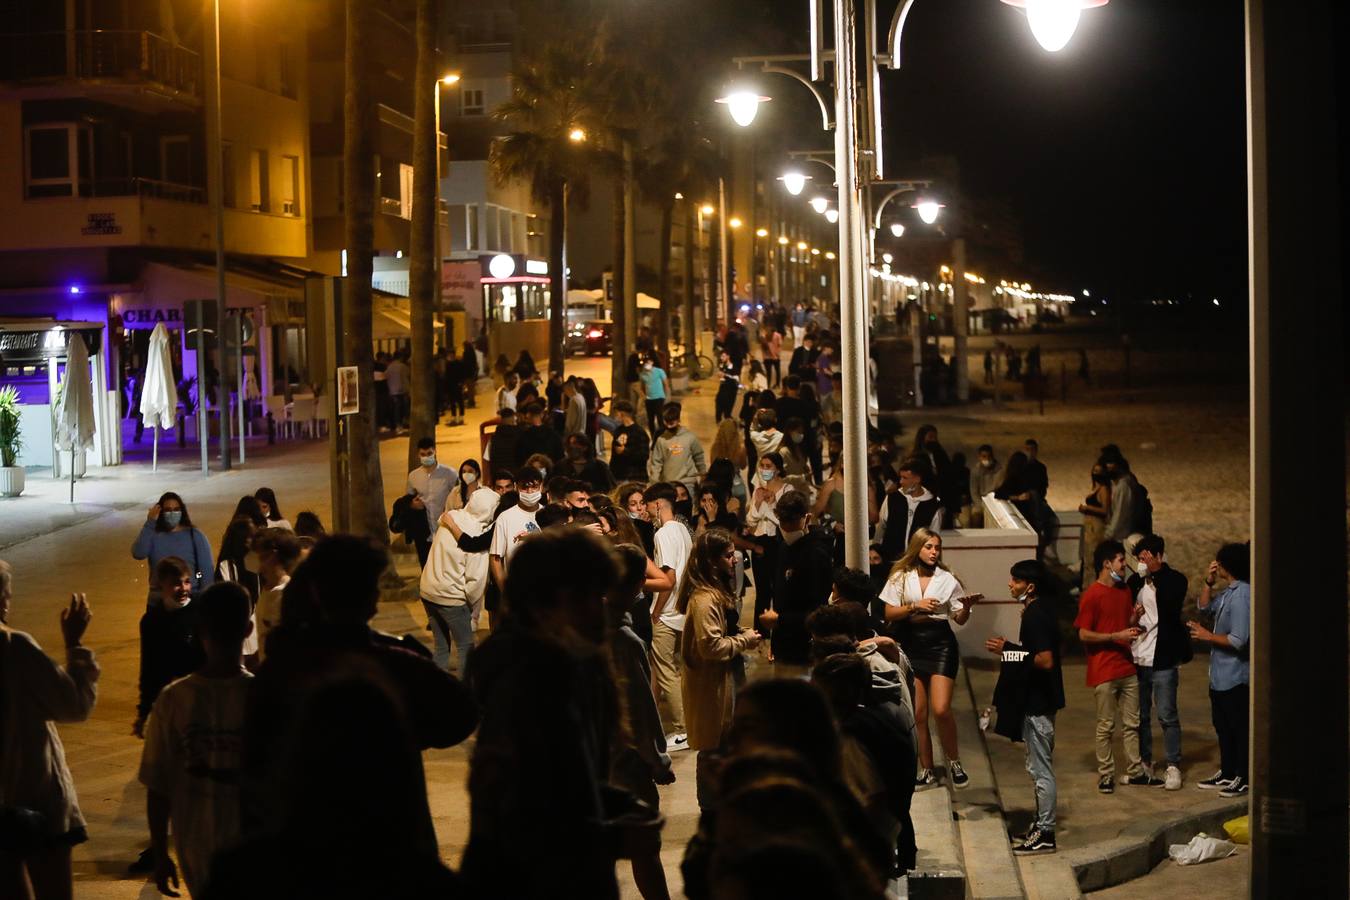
(159, 393)
(75, 414)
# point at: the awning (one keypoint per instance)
(390, 322)
(27, 342)
(167, 286)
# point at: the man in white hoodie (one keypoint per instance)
(907, 510)
(453, 582)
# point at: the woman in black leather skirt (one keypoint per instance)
(922, 598)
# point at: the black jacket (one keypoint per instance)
(802, 581)
(539, 439)
(170, 649)
(505, 447)
(631, 464)
(1174, 641)
(409, 522)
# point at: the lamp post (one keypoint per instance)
(215, 188)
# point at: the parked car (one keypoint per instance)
(591, 338)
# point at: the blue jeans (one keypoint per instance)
(1158, 687)
(451, 623)
(1039, 734)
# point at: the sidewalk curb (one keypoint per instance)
(1143, 845)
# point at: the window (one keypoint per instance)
(51, 150)
(290, 185)
(287, 71)
(175, 159)
(229, 196)
(405, 187)
(258, 199)
(471, 212)
(471, 102)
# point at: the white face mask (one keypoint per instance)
(428, 461)
(530, 498)
(1142, 568)
(987, 463)
(647, 366)
(469, 478)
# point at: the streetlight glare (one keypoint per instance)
(802, 245)
(451, 78)
(761, 232)
(832, 216)
(928, 210)
(734, 222)
(815, 251)
(820, 204)
(897, 230)
(829, 254)
(782, 239)
(576, 135)
(887, 258)
(707, 209)
(1053, 22)
(795, 182)
(743, 105)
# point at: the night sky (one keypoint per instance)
(1123, 155)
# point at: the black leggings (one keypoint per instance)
(1229, 711)
(773, 370)
(454, 395)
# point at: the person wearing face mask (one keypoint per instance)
(803, 579)
(677, 454)
(429, 485)
(168, 531)
(1030, 693)
(984, 480)
(470, 482)
(514, 523)
(629, 496)
(582, 465)
(1106, 626)
(728, 387)
(1163, 646)
(630, 446)
(169, 645)
(673, 545)
(908, 509)
(761, 526)
(796, 454)
(655, 390)
(575, 413)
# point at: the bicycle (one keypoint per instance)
(698, 365)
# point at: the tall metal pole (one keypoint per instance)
(852, 295)
(960, 320)
(215, 183)
(436, 216)
(723, 265)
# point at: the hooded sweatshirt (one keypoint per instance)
(452, 577)
(677, 457)
(766, 441)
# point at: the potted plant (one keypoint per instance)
(11, 473)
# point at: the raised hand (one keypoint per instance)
(75, 619)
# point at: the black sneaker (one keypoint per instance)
(925, 778)
(1144, 779)
(1038, 841)
(1238, 787)
(1106, 785)
(1216, 782)
(958, 775)
(144, 864)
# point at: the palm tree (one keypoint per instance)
(552, 111)
(365, 485)
(422, 267)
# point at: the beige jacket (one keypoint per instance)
(706, 684)
(38, 693)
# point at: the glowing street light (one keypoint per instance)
(887, 258)
(928, 210)
(734, 222)
(707, 209)
(794, 181)
(450, 78)
(802, 245)
(576, 135)
(1053, 22)
(743, 104)
(783, 239)
(761, 232)
(897, 230)
(832, 215)
(820, 204)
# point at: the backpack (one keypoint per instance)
(1141, 516)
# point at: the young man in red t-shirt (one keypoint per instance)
(1106, 625)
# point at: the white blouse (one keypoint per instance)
(902, 589)
(760, 518)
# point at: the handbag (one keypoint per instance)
(197, 574)
(21, 828)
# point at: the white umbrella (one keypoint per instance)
(75, 415)
(159, 394)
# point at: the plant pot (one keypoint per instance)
(11, 481)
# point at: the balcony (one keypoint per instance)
(140, 59)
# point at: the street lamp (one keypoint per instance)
(928, 210)
(1053, 22)
(794, 181)
(734, 222)
(897, 230)
(832, 216)
(577, 135)
(707, 209)
(820, 204)
(743, 104)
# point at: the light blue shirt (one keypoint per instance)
(1229, 666)
(653, 382)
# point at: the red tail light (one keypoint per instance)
(595, 333)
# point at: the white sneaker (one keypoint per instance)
(677, 742)
(1173, 782)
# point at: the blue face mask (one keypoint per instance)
(1117, 577)
(766, 475)
(173, 518)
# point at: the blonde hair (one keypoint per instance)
(728, 444)
(910, 561)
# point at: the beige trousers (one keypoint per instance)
(1118, 698)
(665, 657)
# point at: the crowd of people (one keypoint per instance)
(590, 615)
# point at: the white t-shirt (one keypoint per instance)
(508, 528)
(267, 614)
(760, 518)
(902, 589)
(506, 399)
(1147, 642)
(193, 752)
(673, 546)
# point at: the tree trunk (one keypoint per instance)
(630, 310)
(366, 484)
(663, 280)
(619, 340)
(557, 278)
(687, 329)
(422, 244)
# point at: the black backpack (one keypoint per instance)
(1141, 517)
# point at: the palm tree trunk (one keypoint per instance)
(630, 313)
(557, 279)
(365, 489)
(663, 282)
(619, 338)
(687, 331)
(422, 265)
